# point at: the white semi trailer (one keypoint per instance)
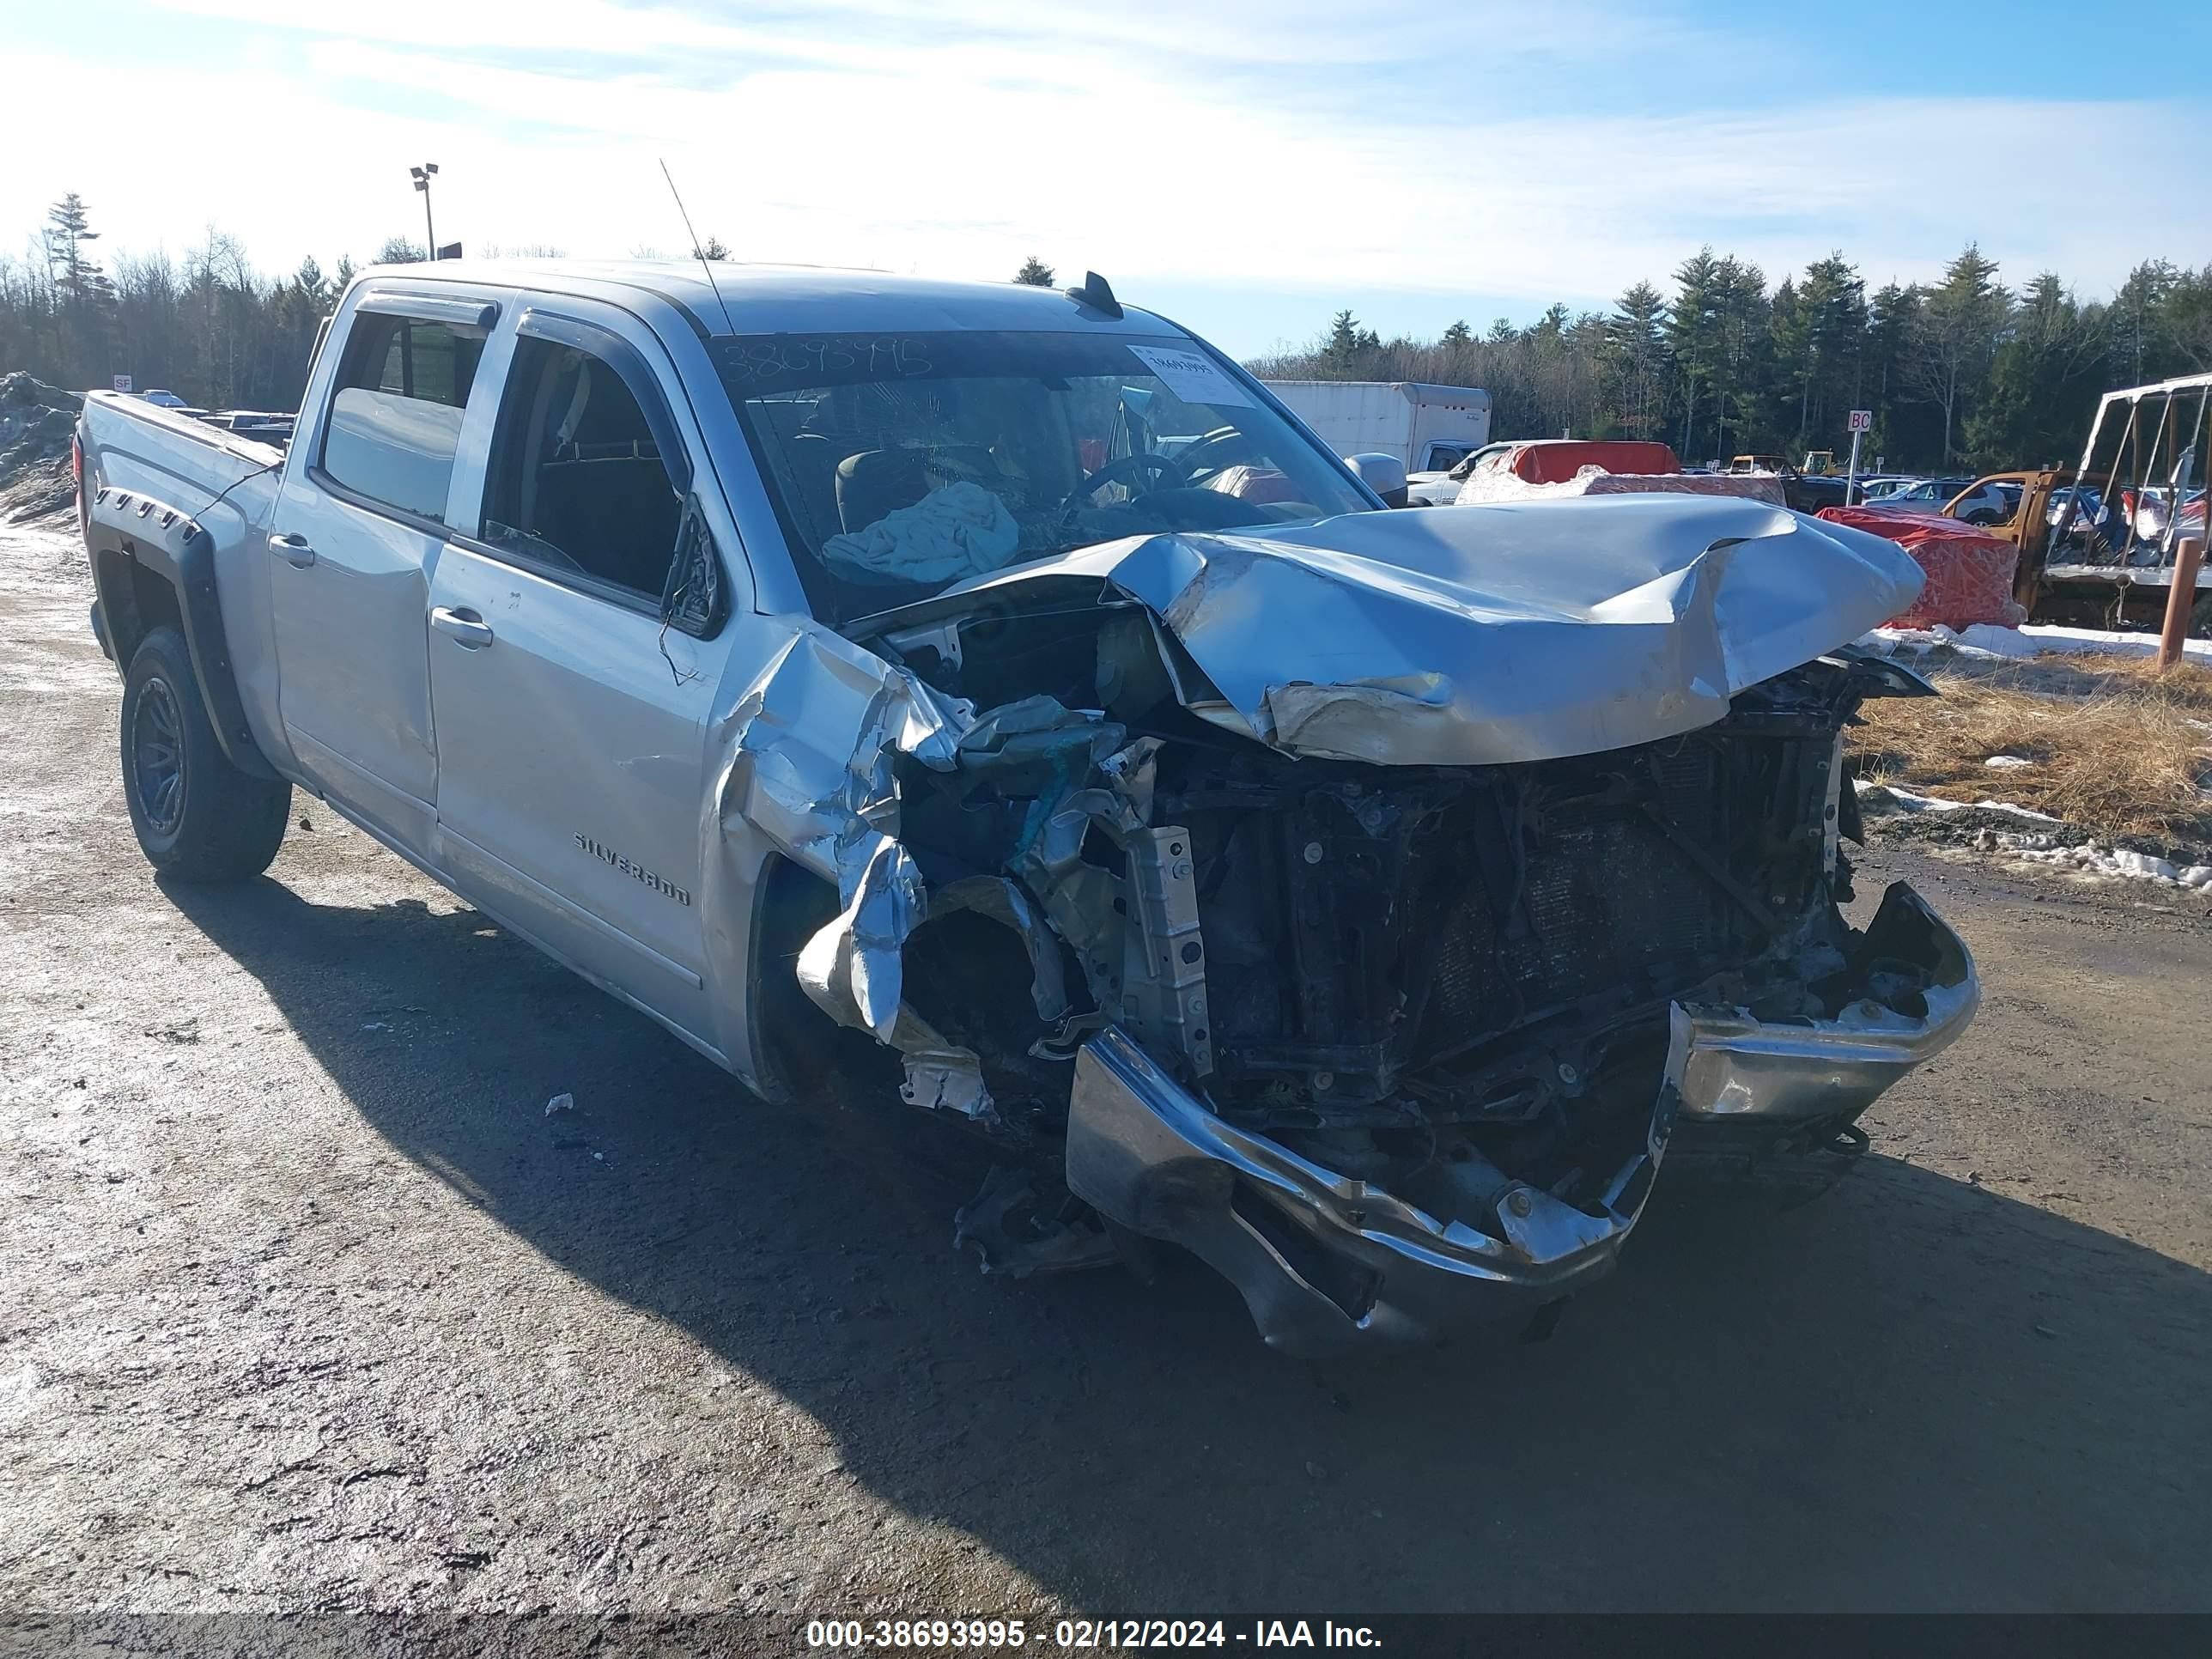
(1431, 429)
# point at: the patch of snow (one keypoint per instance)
(2094, 860)
(1988, 640)
(1906, 801)
(2142, 864)
(2006, 762)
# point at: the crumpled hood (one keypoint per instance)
(1494, 634)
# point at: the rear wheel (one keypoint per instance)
(199, 818)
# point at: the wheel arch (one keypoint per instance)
(153, 563)
(790, 903)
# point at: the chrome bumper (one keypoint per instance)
(1329, 1263)
(1827, 1072)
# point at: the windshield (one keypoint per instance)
(903, 463)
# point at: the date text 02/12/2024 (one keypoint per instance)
(1084, 1634)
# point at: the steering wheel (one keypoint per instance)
(1124, 470)
(1223, 446)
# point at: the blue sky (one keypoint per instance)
(1247, 167)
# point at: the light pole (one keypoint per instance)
(422, 175)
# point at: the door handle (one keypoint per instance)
(296, 552)
(464, 627)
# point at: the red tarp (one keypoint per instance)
(1556, 460)
(1969, 571)
(1762, 486)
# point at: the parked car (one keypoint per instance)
(164, 398)
(819, 662)
(2149, 511)
(1442, 488)
(1882, 486)
(1804, 492)
(1938, 496)
(262, 426)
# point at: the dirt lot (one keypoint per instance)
(305, 1303)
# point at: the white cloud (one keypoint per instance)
(1239, 147)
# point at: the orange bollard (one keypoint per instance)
(2180, 599)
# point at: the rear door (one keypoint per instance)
(355, 533)
(571, 720)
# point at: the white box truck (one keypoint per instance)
(1429, 428)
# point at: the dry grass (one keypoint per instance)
(2111, 739)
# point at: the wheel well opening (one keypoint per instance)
(803, 1052)
(136, 602)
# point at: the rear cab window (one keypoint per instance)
(579, 485)
(395, 412)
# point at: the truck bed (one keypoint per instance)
(181, 462)
(226, 486)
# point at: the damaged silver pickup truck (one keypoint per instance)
(1364, 901)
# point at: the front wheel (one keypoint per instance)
(199, 818)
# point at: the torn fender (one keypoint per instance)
(807, 752)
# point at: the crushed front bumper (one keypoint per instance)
(1741, 1073)
(1328, 1262)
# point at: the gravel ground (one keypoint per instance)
(306, 1303)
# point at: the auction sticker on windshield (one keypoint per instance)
(1192, 376)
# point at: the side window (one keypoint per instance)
(396, 416)
(577, 480)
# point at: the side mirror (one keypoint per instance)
(1383, 474)
(693, 602)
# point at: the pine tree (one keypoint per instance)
(2186, 318)
(1892, 317)
(68, 227)
(1692, 333)
(85, 296)
(1957, 333)
(1818, 335)
(2043, 380)
(2136, 315)
(1458, 334)
(1745, 350)
(1034, 273)
(1635, 359)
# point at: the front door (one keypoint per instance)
(571, 720)
(355, 534)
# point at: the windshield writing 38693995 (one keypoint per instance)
(900, 464)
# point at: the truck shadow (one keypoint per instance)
(1909, 1393)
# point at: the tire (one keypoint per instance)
(199, 818)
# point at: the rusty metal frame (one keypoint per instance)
(2179, 432)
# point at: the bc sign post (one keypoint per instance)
(1862, 423)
